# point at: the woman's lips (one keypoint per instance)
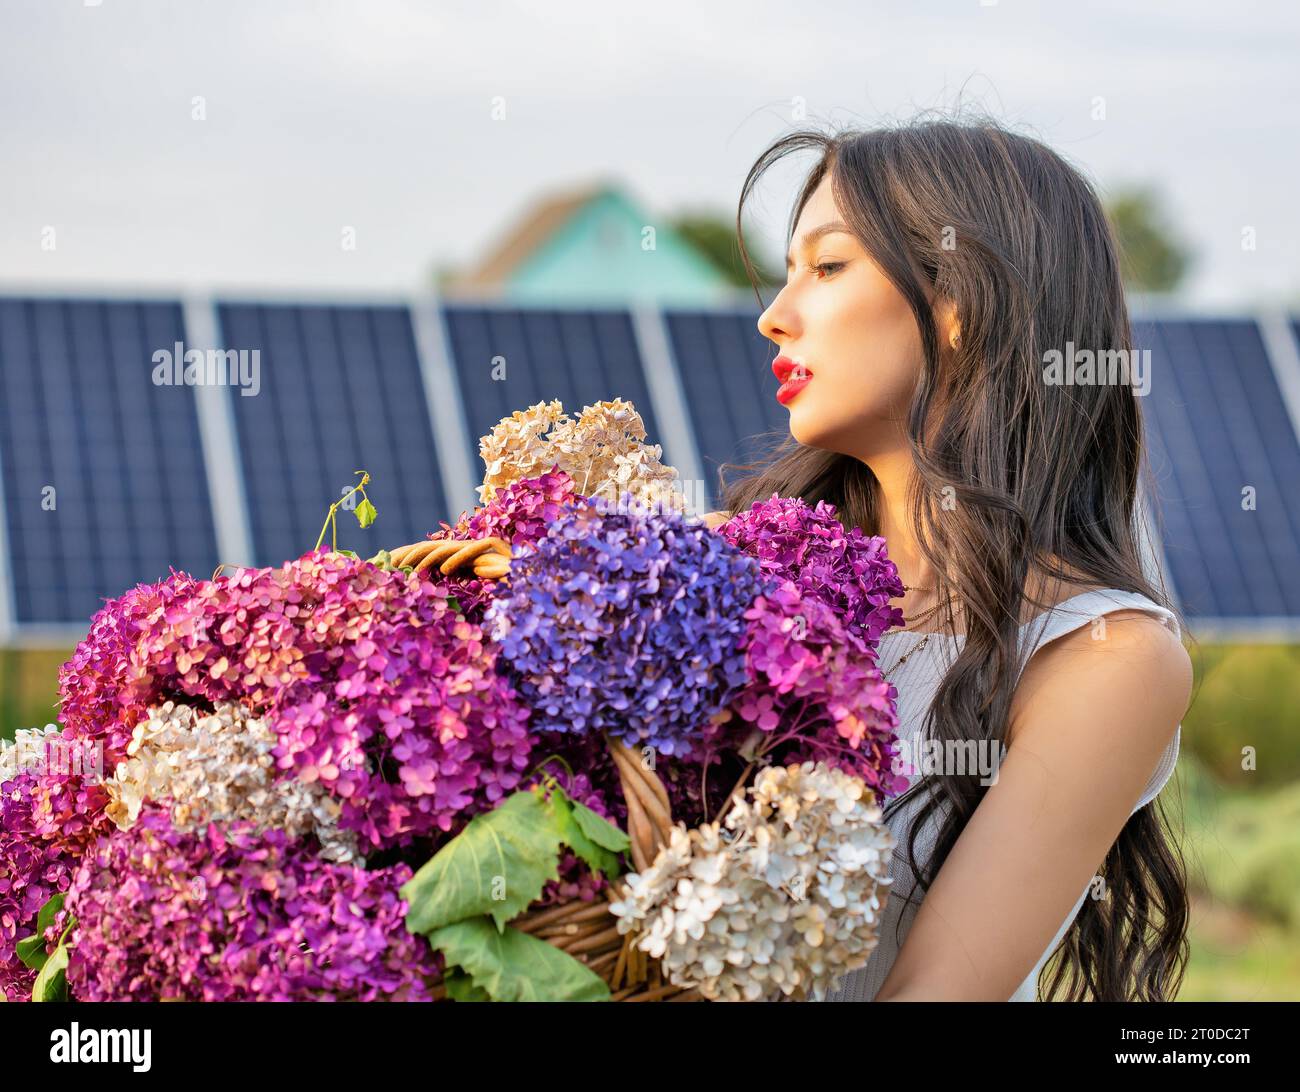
(794, 376)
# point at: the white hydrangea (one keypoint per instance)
(26, 750)
(219, 766)
(786, 900)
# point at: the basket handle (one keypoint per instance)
(488, 558)
(649, 814)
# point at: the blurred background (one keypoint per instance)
(394, 223)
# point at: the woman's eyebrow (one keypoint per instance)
(816, 233)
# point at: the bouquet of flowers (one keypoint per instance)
(421, 776)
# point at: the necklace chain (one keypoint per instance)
(924, 640)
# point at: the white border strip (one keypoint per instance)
(1284, 356)
(445, 404)
(220, 445)
(669, 400)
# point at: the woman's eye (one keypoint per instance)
(827, 269)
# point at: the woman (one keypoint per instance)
(932, 271)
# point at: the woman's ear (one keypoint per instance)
(945, 313)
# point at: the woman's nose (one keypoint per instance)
(777, 323)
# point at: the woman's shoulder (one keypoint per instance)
(1108, 644)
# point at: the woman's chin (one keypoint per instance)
(807, 427)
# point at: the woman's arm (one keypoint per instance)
(1089, 722)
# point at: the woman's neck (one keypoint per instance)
(895, 473)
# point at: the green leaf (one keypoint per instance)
(517, 844)
(461, 986)
(31, 950)
(599, 829)
(350, 553)
(594, 839)
(52, 983)
(366, 513)
(513, 966)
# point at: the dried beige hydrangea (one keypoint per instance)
(786, 901)
(603, 451)
(219, 766)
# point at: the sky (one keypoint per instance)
(428, 128)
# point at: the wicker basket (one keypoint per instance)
(586, 930)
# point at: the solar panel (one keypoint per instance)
(104, 480)
(509, 358)
(726, 372)
(1224, 455)
(341, 391)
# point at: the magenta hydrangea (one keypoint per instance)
(100, 690)
(848, 571)
(403, 715)
(520, 514)
(47, 823)
(813, 693)
(237, 915)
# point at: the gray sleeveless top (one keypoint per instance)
(916, 681)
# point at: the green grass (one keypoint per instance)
(1242, 846)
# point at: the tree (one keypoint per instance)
(1152, 257)
(715, 238)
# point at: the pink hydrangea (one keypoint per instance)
(237, 915)
(378, 688)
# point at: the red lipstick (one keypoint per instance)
(794, 376)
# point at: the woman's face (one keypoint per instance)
(847, 333)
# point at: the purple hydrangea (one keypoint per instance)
(237, 915)
(625, 622)
(846, 570)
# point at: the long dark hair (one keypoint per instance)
(1017, 477)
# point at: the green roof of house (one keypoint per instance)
(594, 245)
